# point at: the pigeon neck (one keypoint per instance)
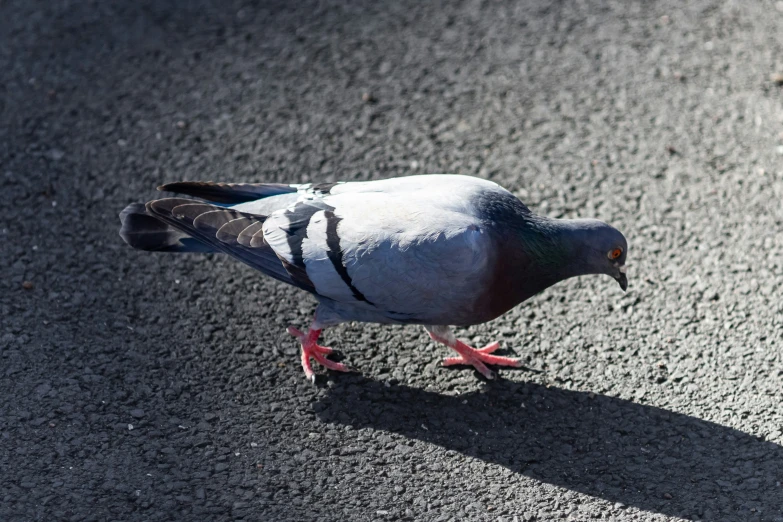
(533, 255)
(558, 248)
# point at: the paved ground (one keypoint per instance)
(154, 387)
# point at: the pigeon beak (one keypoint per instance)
(623, 281)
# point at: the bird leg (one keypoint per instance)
(311, 349)
(477, 357)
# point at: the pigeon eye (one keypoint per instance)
(614, 254)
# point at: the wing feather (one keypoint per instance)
(405, 257)
(228, 192)
(209, 224)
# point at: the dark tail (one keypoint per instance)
(145, 232)
(231, 193)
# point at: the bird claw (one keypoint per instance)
(491, 347)
(312, 350)
(480, 357)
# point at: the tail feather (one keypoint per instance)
(187, 225)
(228, 192)
(212, 225)
(145, 232)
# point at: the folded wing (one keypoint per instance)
(405, 257)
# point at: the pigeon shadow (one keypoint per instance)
(613, 449)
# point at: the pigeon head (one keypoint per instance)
(597, 248)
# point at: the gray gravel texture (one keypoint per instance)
(159, 387)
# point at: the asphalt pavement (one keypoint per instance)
(148, 387)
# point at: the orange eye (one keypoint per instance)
(614, 254)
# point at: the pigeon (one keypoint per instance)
(436, 250)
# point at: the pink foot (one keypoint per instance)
(311, 349)
(476, 357)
